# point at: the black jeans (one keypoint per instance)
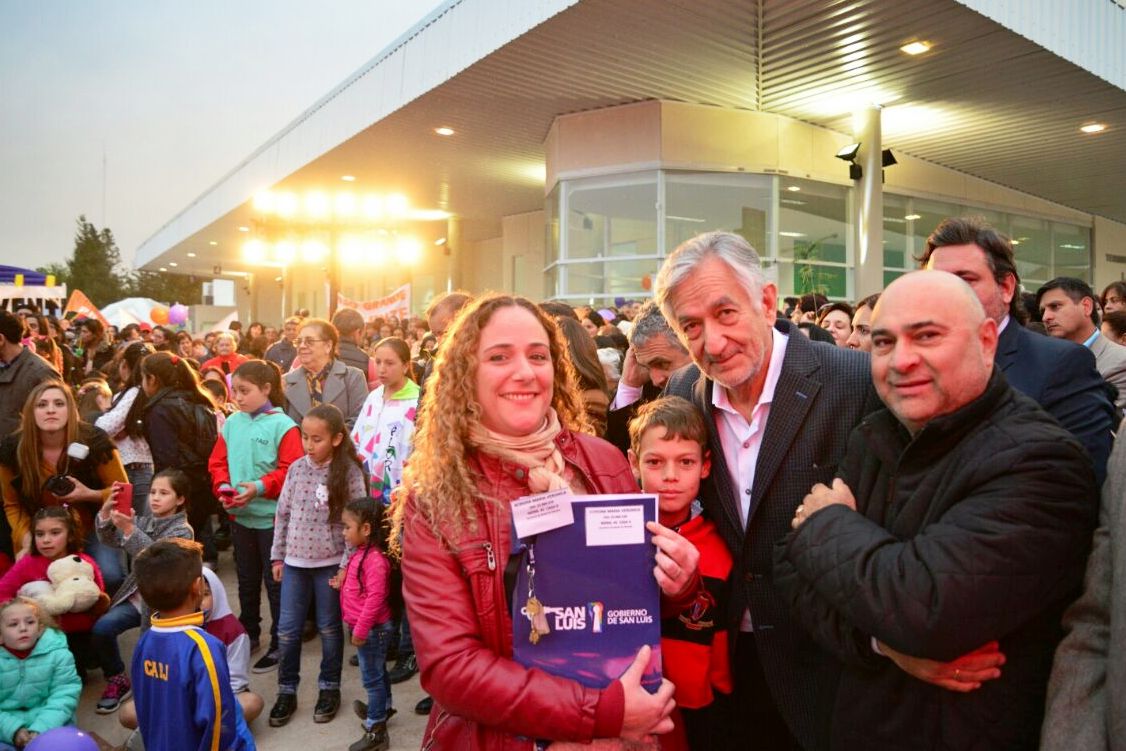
(252, 562)
(200, 509)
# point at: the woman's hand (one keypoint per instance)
(337, 581)
(276, 567)
(25, 546)
(645, 713)
(124, 522)
(81, 493)
(677, 560)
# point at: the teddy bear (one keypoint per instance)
(71, 589)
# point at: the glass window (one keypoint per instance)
(1072, 250)
(701, 202)
(551, 221)
(897, 239)
(813, 233)
(612, 217)
(610, 278)
(1032, 246)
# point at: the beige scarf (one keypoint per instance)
(536, 451)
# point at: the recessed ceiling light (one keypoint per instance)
(348, 178)
(212, 243)
(440, 241)
(793, 188)
(915, 48)
(444, 131)
(1093, 127)
(1016, 242)
(191, 255)
(163, 269)
(173, 263)
(244, 229)
(913, 217)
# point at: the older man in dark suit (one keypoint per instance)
(781, 408)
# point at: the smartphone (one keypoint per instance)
(123, 498)
(226, 494)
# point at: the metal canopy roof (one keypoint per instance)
(983, 100)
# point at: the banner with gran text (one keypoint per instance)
(397, 304)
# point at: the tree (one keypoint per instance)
(95, 268)
(58, 270)
(167, 288)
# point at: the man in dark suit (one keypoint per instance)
(1057, 374)
(781, 408)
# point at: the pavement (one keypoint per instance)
(301, 734)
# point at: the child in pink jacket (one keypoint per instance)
(366, 608)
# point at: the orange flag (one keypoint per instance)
(79, 304)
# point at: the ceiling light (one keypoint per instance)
(264, 202)
(445, 130)
(285, 204)
(915, 48)
(163, 269)
(317, 204)
(396, 204)
(1016, 242)
(1093, 128)
(348, 178)
(254, 251)
(191, 255)
(791, 234)
(440, 241)
(312, 251)
(913, 217)
(173, 264)
(791, 202)
(372, 207)
(345, 204)
(675, 218)
(285, 252)
(244, 229)
(213, 243)
(793, 188)
(408, 250)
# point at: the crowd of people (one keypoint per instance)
(879, 524)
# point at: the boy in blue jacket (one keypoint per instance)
(180, 679)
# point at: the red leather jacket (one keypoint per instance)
(462, 628)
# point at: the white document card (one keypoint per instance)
(533, 514)
(615, 525)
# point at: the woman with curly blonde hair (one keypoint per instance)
(501, 418)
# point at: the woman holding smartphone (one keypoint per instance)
(56, 459)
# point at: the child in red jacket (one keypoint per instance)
(668, 453)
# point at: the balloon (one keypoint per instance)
(647, 282)
(63, 739)
(159, 315)
(178, 314)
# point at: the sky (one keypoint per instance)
(128, 110)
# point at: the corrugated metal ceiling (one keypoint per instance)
(983, 101)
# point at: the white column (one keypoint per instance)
(868, 202)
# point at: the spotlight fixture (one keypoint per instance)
(848, 154)
(1093, 128)
(915, 48)
(887, 159)
(444, 131)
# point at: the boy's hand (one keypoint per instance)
(357, 641)
(277, 567)
(677, 561)
(21, 738)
